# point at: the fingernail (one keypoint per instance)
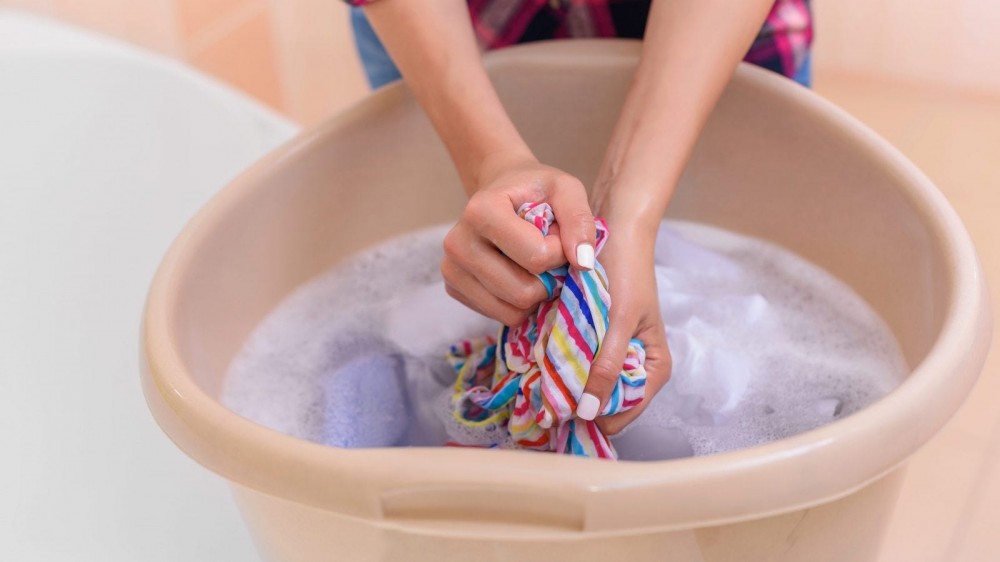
(585, 256)
(587, 407)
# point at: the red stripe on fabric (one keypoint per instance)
(543, 311)
(558, 383)
(574, 333)
(502, 382)
(520, 410)
(543, 440)
(597, 437)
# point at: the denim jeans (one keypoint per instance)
(376, 60)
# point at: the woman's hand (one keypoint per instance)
(672, 93)
(492, 256)
(627, 258)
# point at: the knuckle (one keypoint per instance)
(452, 243)
(477, 210)
(452, 291)
(668, 366)
(512, 317)
(604, 369)
(525, 297)
(582, 216)
(447, 269)
(620, 315)
(611, 427)
(570, 183)
(537, 261)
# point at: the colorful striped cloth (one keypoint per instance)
(531, 376)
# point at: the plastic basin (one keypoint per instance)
(775, 161)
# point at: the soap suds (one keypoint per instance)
(765, 345)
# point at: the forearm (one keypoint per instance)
(690, 51)
(433, 45)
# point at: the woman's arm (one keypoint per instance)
(689, 53)
(491, 254)
(432, 43)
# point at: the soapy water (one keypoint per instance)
(765, 345)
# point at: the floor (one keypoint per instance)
(949, 509)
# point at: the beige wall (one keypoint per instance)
(939, 43)
(297, 55)
(294, 55)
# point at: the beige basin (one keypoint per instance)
(775, 161)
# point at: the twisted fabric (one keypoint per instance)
(530, 378)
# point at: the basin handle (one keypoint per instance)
(439, 504)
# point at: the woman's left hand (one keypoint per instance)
(627, 258)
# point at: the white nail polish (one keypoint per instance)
(585, 256)
(587, 407)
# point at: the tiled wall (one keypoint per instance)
(297, 55)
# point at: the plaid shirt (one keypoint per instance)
(781, 46)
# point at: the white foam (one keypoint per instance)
(765, 345)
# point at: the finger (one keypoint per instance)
(495, 220)
(554, 232)
(578, 233)
(500, 275)
(605, 369)
(466, 289)
(658, 367)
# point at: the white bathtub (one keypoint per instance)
(105, 151)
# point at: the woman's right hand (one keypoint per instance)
(492, 256)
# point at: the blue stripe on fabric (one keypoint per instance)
(550, 284)
(506, 394)
(502, 352)
(591, 281)
(488, 357)
(615, 400)
(574, 289)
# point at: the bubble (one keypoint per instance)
(765, 345)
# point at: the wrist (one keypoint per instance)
(630, 211)
(630, 244)
(632, 188)
(493, 163)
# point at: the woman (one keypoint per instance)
(690, 50)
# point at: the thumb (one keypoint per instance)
(658, 365)
(604, 371)
(578, 232)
